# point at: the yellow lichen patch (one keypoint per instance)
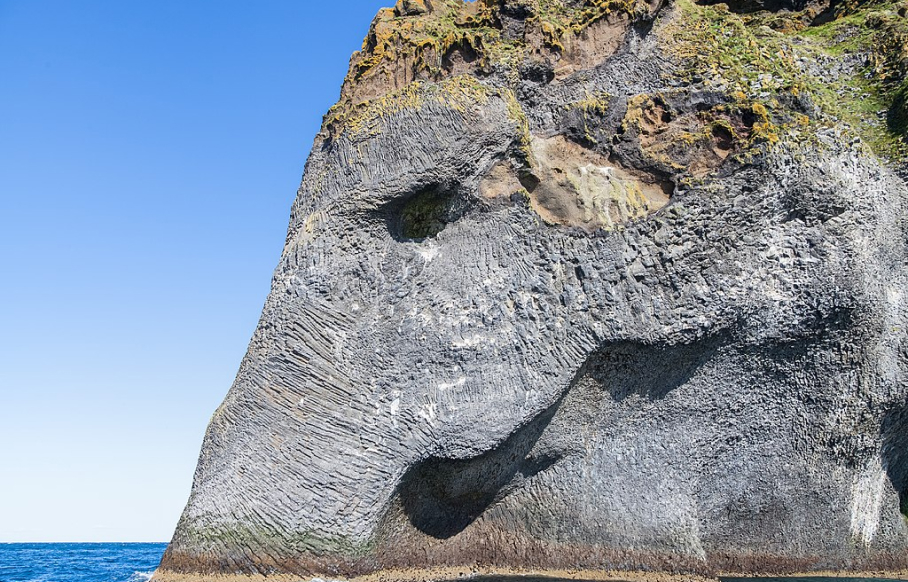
(410, 7)
(409, 43)
(644, 114)
(763, 128)
(697, 140)
(751, 63)
(454, 37)
(700, 142)
(517, 115)
(563, 18)
(597, 103)
(574, 186)
(457, 93)
(579, 36)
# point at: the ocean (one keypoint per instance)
(79, 562)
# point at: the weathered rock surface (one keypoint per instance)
(558, 295)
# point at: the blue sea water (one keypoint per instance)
(79, 562)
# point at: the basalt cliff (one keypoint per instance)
(590, 286)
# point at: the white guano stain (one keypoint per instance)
(866, 502)
(591, 169)
(429, 412)
(428, 253)
(473, 341)
(448, 385)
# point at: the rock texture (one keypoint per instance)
(565, 288)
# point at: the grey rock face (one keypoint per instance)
(473, 353)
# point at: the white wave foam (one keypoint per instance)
(140, 576)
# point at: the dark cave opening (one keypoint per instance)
(441, 497)
(424, 214)
(894, 430)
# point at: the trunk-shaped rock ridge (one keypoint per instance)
(574, 285)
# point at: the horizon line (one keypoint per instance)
(142, 542)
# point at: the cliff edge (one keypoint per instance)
(591, 286)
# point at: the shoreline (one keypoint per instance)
(471, 572)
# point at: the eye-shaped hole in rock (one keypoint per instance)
(424, 214)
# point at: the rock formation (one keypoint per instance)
(587, 285)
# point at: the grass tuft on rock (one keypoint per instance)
(778, 66)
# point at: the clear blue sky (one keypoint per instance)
(149, 155)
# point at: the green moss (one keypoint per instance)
(247, 536)
(717, 46)
(759, 60)
(761, 68)
(458, 93)
(755, 66)
(877, 32)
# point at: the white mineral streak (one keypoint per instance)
(866, 502)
